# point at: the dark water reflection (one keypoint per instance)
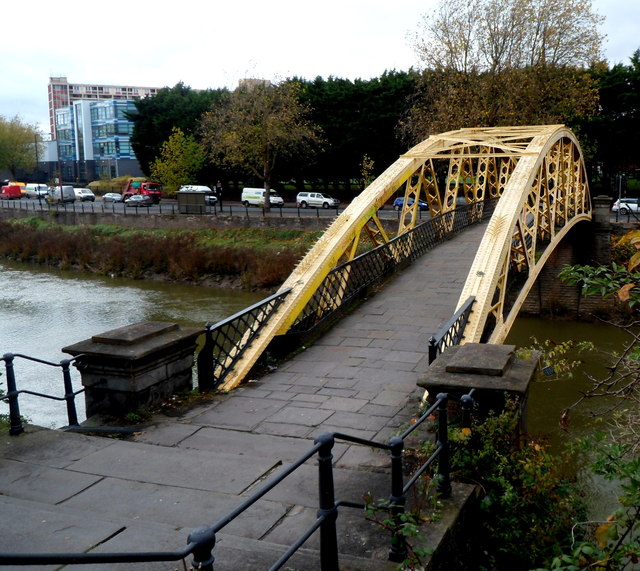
(43, 311)
(549, 396)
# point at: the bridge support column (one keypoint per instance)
(135, 366)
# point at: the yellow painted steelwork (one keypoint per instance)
(470, 164)
(544, 195)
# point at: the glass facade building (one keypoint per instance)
(94, 139)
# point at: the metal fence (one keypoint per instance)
(202, 540)
(451, 332)
(13, 393)
(227, 340)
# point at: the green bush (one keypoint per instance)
(529, 505)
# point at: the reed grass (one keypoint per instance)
(251, 258)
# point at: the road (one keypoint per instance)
(169, 206)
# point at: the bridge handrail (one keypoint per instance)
(452, 332)
(346, 281)
(201, 541)
(227, 340)
(13, 393)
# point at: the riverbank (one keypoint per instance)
(237, 258)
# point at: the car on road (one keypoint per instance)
(112, 197)
(626, 205)
(399, 202)
(85, 195)
(316, 200)
(139, 200)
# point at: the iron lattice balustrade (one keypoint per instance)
(345, 282)
(452, 332)
(13, 393)
(202, 540)
(227, 340)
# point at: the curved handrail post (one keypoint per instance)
(69, 395)
(444, 472)
(12, 395)
(327, 503)
(204, 540)
(397, 501)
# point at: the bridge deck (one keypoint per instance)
(70, 492)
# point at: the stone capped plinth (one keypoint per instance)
(493, 370)
(131, 367)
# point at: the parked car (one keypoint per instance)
(211, 199)
(139, 200)
(112, 197)
(398, 202)
(85, 195)
(626, 205)
(316, 200)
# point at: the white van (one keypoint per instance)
(62, 194)
(255, 197)
(36, 190)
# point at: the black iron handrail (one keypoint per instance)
(452, 332)
(348, 280)
(202, 540)
(227, 340)
(13, 393)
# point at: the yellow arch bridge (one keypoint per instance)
(528, 182)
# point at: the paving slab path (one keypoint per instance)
(62, 491)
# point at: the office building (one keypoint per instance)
(63, 94)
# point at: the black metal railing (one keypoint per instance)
(452, 332)
(202, 540)
(226, 341)
(345, 282)
(13, 393)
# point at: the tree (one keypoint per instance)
(505, 62)
(256, 126)
(613, 544)
(494, 35)
(19, 145)
(156, 116)
(181, 158)
(614, 133)
(357, 118)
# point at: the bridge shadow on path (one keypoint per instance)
(72, 492)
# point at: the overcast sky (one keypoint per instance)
(214, 44)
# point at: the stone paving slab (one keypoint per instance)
(173, 505)
(227, 473)
(31, 481)
(50, 447)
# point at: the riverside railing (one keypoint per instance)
(202, 540)
(13, 393)
(349, 280)
(226, 341)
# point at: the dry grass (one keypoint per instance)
(257, 259)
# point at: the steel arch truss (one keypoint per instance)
(469, 167)
(544, 196)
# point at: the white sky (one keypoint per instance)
(214, 44)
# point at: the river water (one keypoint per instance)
(550, 396)
(42, 311)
